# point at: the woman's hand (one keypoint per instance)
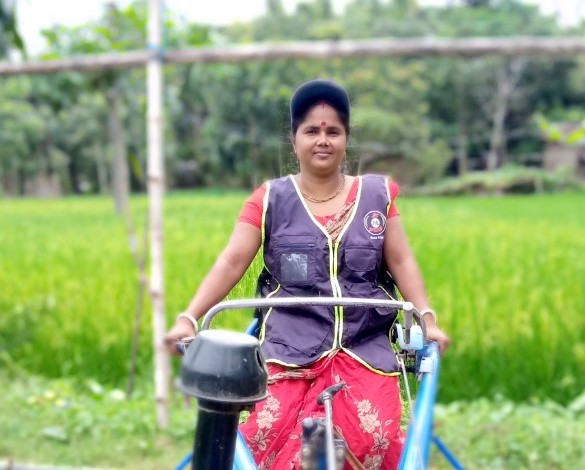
(182, 329)
(434, 333)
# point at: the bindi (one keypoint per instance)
(323, 124)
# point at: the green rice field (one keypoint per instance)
(506, 275)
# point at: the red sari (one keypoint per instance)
(366, 413)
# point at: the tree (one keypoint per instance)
(242, 129)
(118, 30)
(507, 80)
(231, 119)
(478, 3)
(22, 135)
(475, 102)
(9, 35)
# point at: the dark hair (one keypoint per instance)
(312, 92)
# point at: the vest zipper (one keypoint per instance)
(339, 309)
(333, 251)
(334, 280)
(335, 290)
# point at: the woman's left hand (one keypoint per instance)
(434, 333)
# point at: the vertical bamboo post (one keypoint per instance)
(155, 195)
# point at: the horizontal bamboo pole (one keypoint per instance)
(461, 47)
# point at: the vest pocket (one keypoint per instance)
(294, 268)
(361, 259)
(295, 261)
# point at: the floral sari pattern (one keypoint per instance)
(366, 414)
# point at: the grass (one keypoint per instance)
(501, 435)
(73, 423)
(82, 423)
(505, 274)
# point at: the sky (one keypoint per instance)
(36, 15)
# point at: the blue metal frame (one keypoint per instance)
(243, 459)
(186, 461)
(415, 454)
(446, 453)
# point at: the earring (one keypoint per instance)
(343, 167)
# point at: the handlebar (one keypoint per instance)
(408, 308)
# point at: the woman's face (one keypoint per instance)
(320, 141)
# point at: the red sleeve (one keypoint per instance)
(394, 192)
(251, 212)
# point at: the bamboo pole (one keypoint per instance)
(156, 181)
(88, 63)
(413, 47)
(424, 47)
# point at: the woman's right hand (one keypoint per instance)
(183, 329)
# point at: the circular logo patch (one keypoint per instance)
(375, 223)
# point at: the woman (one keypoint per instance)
(323, 233)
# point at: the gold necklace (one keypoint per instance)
(334, 195)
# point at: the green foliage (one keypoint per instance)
(500, 434)
(507, 18)
(232, 118)
(71, 422)
(503, 273)
(466, 97)
(119, 29)
(75, 295)
(65, 422)
(554, 132)
(10, 37)
(506, 180)
(411, 116)
(79, 158)
(23, 129)
(68, 422)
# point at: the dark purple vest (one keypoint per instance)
(301, 260)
